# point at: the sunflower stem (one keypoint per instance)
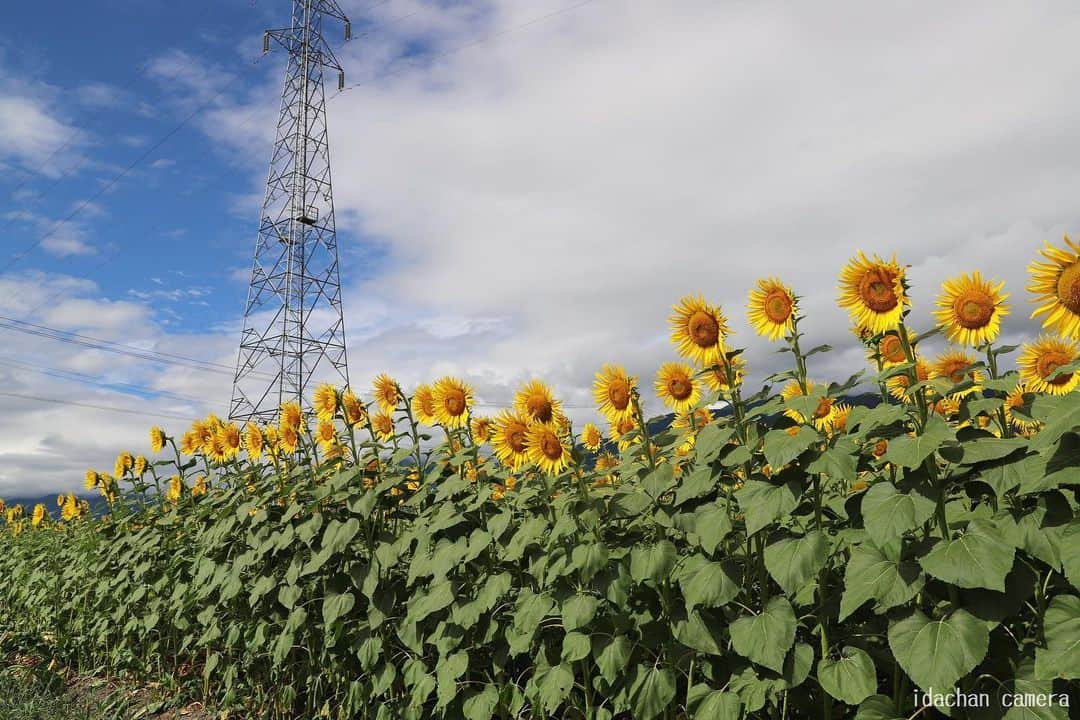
(992, 368)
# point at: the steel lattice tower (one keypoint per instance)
(294, 333)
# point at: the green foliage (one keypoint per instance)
(766, 570)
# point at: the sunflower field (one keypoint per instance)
(772, 552)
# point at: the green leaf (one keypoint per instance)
(1061, 415)
(880, 416)
(705, 583)
(651, 691)
(780, 448)
(659, 481)
(288, 595)
(481, 705)
(1025, 683)
(709, 441)
(977, 559)
(910, 452)
(878, 707)
(793, 561)
(694, 631)
(1061, 628)
(612, 654)
(719, 705)
(762, 502)
(447, 673)
(850, 679)
(888, 513)
(575, 647)
(986, 449)
(766, 638)
(554, 685)
(578, 611)
(335, 605)
(653, 562)
(589, 559)
(937, 653)
(837, 463)
(440, 595)
(530, 532)
(870, 575)
(531, 609)
(697, 483)
(1069, 541)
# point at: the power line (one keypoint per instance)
(85, 379)
(104, 408)
(93, 343)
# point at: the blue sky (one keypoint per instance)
(523, 187)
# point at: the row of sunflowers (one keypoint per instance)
(756, 553)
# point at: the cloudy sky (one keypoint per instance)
(524, 187)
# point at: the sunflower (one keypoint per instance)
(291, 416)
(898, 385)
(698, 330)
(253, 441)
(873, 292)
(355, 414)
(1013, 401)
(618, 433)
(675, 385)
(535, 402)
(453, 399)
(772, 308)
(271, 441)
(950, 366)
(39, 515)
(889, 349)
(175, 490)
(498, 492)
(200, 487)
(545, 449)
(189, 442)
(947, 407)
(863, 334)
(226, 443)
(716, 376)
(288, 438)
(606, 461)
(701, 418)
(1056, 286)
(423, 405)
(383, 426)
(481, 429)
(157, 439)
(139, 468)
(508, 440)
(90, 479)
(591, 437)
(326, 435)
(613, 390)
(836, 422)
(325, 401)
(970, 309)
(1039, 363)
(125, 461)
(387, 393)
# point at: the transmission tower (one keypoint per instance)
(294, 332)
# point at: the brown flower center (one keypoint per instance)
(876, 290)
(777, 306)
(516, 439)
(703, 329)
(539, 407)
(1068, 288)
(1049, 362)
(550, 446)
(454, 401)
(680, 387)
(891, 349)
(823, 408)
(619, 393)
(973, 309)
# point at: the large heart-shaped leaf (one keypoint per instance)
(1061, 628)
(653, 562)
(762, 502)
(652, 689)
(871, 575)
(766, 638)
(911, 451)
(937, 653)
(979, 558)
(851, 678)
(793, 561)
(889, 513)
(705, 583)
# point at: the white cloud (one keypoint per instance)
(544, 196)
